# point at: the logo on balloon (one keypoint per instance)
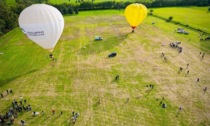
(37, 33)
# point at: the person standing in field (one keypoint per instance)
(42, 112)
(53, 111)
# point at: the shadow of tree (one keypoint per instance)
(205, 45)
(6, 81)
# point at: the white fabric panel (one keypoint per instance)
(43, 24)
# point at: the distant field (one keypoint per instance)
(197, 17)
(74, 1)
(11, 2)
(82, 78)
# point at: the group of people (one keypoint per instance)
(8, 117)
(20, 106)
(12, 113)
(164, 57)
(8, 91)
(202, 55)
(74, 116)
(162, 103)
(176, 45)
(181, 69)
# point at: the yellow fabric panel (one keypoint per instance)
(135, 14)
(145, 9)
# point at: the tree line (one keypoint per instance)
(9, 14)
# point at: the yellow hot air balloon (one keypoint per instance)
(135, 14)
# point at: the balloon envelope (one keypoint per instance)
(43, 24)
(135, 14)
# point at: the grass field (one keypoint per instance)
(197, 17)
(82, 77)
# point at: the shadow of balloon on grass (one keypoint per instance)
(96, 47)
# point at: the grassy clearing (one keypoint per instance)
(82, 75)
(197, 17)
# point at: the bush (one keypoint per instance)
(199, 30)
(118, 5)
(18, 8)
(65, 8)
(8, 18)
(176, 22)
(76, 11)
(104, 5)
(86, 6)
(170, 19)
(126, 4)
(151, 12)
(2, 25)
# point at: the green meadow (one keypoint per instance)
(197, 17)
(74, 1)
(82, 78)
(11, 2)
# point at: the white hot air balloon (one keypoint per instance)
(43, 24)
